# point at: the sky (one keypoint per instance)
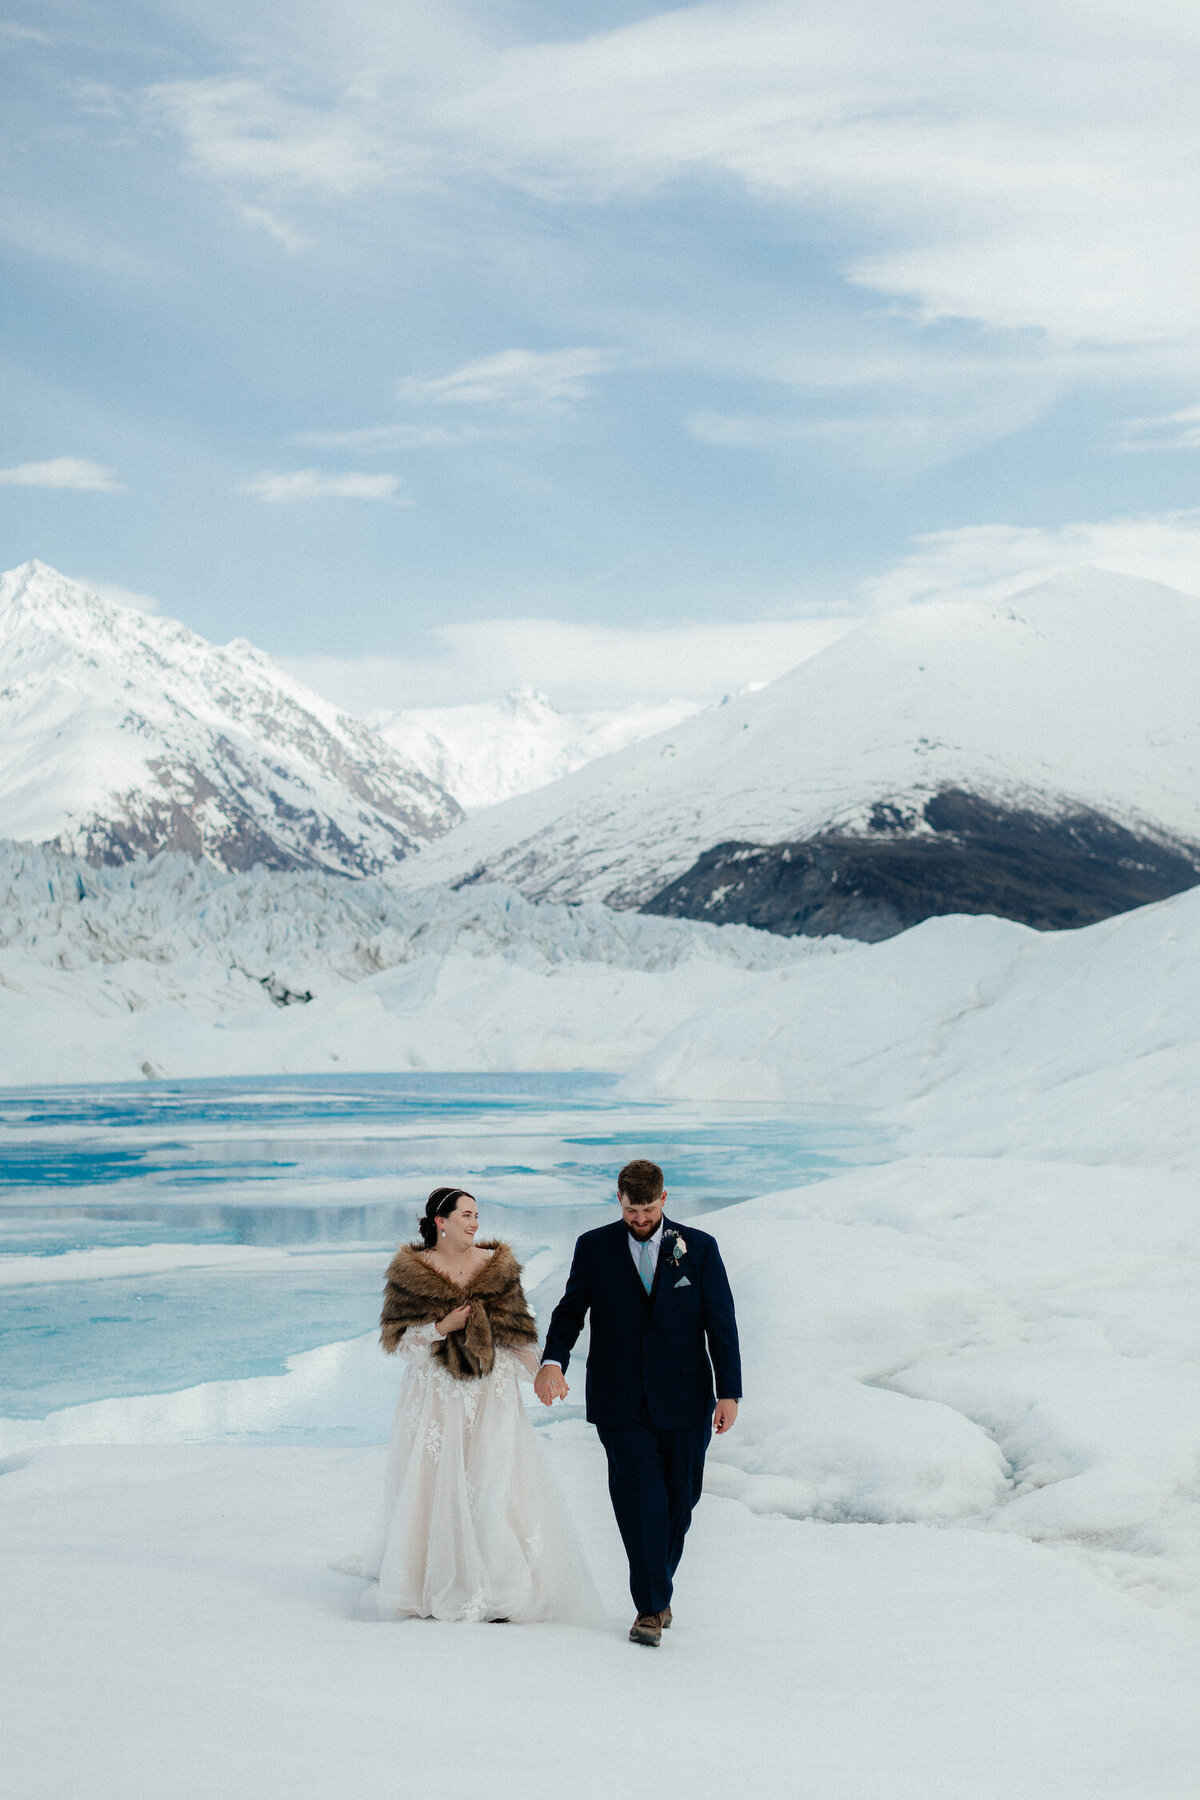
(440, 348)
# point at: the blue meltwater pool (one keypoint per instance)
(308, 1183)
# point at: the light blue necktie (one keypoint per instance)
(646, 1267)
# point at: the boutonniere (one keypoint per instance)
(678, 1246)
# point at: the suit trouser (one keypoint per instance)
(654, 1481)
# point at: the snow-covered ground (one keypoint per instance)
(980, 1036)
(491, 751)
(175, 1628)
(1077, 694)
(951, 1550)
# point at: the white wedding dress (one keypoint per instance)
(474, 1526)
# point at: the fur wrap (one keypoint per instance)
(416, 1294)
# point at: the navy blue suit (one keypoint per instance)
(650, 1383)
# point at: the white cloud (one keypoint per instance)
(240, 128)
(1037, 173)
(118, 595)
(929, 428)
(382, 439)
(44, 232)
(63, 472)
(533, 380)
(263, 220)
(23, 33)
(1172, 431)
(992, 562)
(319, 484)
(754, 432)
(584, 665)
(578, 665)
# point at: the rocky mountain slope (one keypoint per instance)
(123, 733)
(1037, 758)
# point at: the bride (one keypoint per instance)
(473, 1525)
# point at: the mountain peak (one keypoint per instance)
(932, 726)
(123, 732)
(1090, 584)
(28, 577)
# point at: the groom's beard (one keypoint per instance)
(643, 1232)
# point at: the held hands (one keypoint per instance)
(454, 1321)
(549, 1384)
(724, 1416)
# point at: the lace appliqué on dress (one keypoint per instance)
(475, 1611)
(501, 1374)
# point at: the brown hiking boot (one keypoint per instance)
(647, 1628)
(665, 1616)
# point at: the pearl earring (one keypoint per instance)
(443, 1231)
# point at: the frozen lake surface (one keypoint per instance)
(316, 1179)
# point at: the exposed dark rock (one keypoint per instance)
(281, 994)
(957, 854)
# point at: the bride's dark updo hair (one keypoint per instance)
(440, 1204)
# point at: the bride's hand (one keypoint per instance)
(454, 1321)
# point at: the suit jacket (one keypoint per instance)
(653, 1348)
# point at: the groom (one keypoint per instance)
(661, 1307)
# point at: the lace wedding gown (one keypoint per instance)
(473, 1525)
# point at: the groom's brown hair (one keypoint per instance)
(640, 1181)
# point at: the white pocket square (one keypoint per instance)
(683, 1282)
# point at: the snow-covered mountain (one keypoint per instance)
(487, 753)
(122, 733)
(1037, 758)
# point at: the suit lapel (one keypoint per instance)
(663, 1275)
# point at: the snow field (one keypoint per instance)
(1009, 1344)
(179, 1601)
(951, 1550)
(979, 1036)
(1002, 1344)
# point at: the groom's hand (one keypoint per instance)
(724, 1416)
(549, 1384)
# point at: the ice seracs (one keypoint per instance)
(1037, 757)
(174, 967)
(122, 733)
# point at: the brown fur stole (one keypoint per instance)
(416, 1294)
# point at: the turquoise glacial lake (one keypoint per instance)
(333, 1171)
